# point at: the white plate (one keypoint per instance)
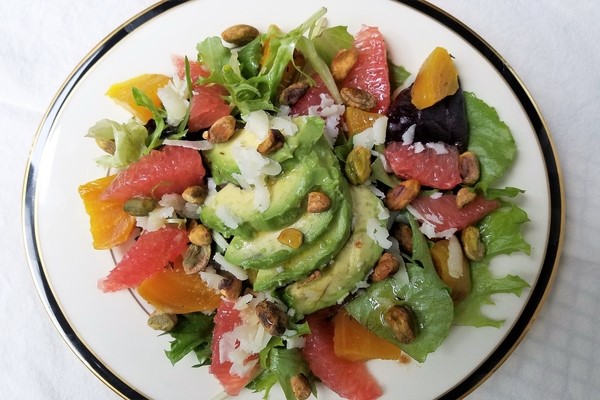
(109, 331)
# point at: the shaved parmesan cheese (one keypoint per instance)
(409, 135)
(190, 144)
(175, 105)
(156, 218)
(332, 114)
(212, 279)
(220, 240)
(455, 258)
(440, 148)
(419, 148)
(235, 270)
(229, 219)
(380, 130)
(257, 122)
(378, 233)
(242, 301)
(284, 125)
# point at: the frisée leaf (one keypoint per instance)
(501, 234)
(193, 332)
(130, 141)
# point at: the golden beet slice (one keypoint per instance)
(354, 342)
(358, 120)
(175, 292)
(109, 224)
(437, 78)
(148, 84)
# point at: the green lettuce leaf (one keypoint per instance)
(398, 75)
(332, 40)
(249, 58)
(158, 115)
(490, 139)
(130, 141)
(424, 294)
(280, 365)
(193, 333)
(501, 234)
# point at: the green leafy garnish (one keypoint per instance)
(193, 332)
(398, 75)
(158, 115)
(501, 234)
(251, 88)
(130, 141)
(332, 40)
(490, 139)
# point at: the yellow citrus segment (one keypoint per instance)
(437, 78)
(109, 224)
(353, 341)
(358, 120)
(148, 83)
(176, 292)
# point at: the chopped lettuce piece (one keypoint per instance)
(490, 139)
(424, 294)
(501, 234)
(332, 40)
(398, 75)
(130, 141)
(193, 332)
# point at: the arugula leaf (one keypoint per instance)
(379, 173)
(332, 40)
(249, 58)
(158, 115)
(398, 75)
(193, 332)
(182, 128)
(130, 141)
(424, 293)
(501, 234)
(490, 139)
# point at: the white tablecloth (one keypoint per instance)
(553, 46)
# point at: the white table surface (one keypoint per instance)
(553, 46)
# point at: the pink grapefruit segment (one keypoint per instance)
(440, 171)
(226, 320)
(169, 170)
(207, 104)
(371, 72)
(152, 252)
(444, 214)
(349, 379)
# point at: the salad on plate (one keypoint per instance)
(294, 204)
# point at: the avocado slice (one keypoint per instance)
(287, 193)
(223, 164)
(314, 255)
(318, 169)
(264, 250)
(350, 266)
